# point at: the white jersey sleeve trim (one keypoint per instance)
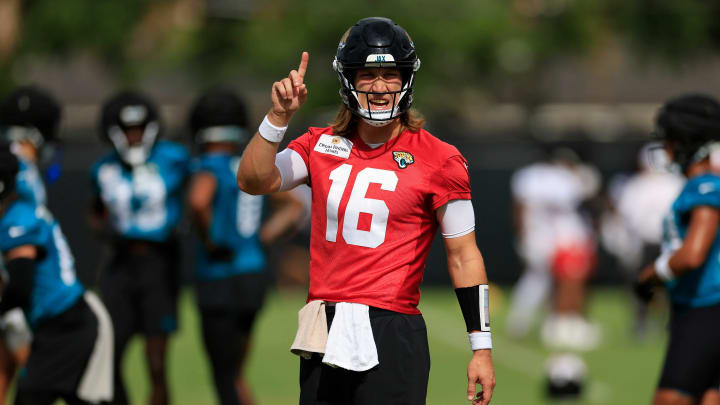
(293, 171)
(456, 218)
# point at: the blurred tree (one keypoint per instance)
(472, 50)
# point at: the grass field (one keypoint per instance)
(622, 370)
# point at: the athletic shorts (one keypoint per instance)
(692, 360)
(60, 351)
(574, 261)
(400, 378)
(140, 288)
(238, 293)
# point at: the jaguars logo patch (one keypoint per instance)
(403, 159)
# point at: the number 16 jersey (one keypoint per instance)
(373, 213)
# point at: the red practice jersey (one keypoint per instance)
(373, 213)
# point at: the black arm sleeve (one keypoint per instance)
(20, 284)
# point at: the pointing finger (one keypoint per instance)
(303, 64)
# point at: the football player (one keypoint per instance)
(230, 270)
(557, 244)
(381, 186)
(138, 193)
(71, 355)
(688, 265)
(29, 119)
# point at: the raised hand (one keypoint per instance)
(289, 94)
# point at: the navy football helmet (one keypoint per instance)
(376, 42)
(219, 115)
(690, 125)
(29, 114)
(124, 111)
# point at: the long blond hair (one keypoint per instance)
(345, 123)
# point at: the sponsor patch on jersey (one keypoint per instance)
(403, 159)
(334, 145)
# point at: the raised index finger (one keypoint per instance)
(303, 64)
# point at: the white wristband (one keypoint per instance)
(480, 340)
(270, 131)
(662, 267)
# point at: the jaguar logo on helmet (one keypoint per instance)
(376, 42)
(403, 159)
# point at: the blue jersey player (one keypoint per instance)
(689, 265)
(29, 120)
(71, 355)
(138, 195)
(230, 270)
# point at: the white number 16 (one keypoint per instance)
(357, 204)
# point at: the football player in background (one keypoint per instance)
(230, 270)
(631, 227)
(29, 119)
(688, 266)
(138, 190)
(71, 355)
(557, 243)
(381, 186)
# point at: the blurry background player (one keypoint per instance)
(230, 269)
(71, 356)
(29, 119)
(689, 265)
(631, 227)
(138, 193)
(557, 243)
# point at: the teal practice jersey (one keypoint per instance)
(30, 186)
(699, 287)
(144, 202)
(55, 287)
(235, 223)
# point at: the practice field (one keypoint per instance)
(622, 370)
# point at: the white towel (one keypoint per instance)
(350, 343)
(96, 384)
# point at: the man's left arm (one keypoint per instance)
(467, 272)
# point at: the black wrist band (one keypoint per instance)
(475, 306)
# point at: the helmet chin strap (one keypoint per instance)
(377, 123)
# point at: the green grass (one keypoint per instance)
(622, 370)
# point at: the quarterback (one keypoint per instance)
(381, 186)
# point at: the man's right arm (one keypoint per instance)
(257, 173)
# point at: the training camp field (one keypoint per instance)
(622, 371)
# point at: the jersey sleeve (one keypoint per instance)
(450, 182)
(301, 145)
(700, 191)
(23, 228)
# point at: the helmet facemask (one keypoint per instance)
(134, 155)
(401, 99)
